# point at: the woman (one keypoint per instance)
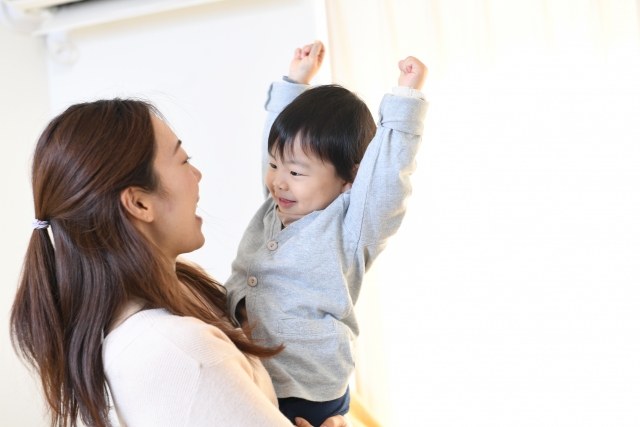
(104, 307)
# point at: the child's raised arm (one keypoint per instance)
(305, 64)
(380, 191)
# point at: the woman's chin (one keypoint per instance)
(198, 243)
(194, 244)
(201, 243)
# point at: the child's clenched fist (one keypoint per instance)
(413, 73)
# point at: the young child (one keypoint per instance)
(336, 190)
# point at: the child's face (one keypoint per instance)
(302, 184)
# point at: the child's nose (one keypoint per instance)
(279, 182)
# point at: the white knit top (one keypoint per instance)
(166, 370)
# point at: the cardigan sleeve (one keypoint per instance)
(378, 198)
(280, 95)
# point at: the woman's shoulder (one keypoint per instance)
(168, 370)
(153, 335)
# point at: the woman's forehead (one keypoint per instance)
(167, 141)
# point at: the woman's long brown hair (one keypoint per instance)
(72, 287)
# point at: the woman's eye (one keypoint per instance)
(272, 166)
(188, 160)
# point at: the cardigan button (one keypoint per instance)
(272, 245)
(252, 281)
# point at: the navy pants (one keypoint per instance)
(314, 412)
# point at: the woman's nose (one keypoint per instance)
(197, 173)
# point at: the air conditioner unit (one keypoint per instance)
(42, 17)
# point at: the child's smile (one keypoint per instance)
(284, 203)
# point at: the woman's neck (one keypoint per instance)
(132, 307)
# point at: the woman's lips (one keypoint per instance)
(285, 203)
(198, 217)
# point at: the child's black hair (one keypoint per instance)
(334, 125)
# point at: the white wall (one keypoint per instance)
(23, 113)
(208, 69)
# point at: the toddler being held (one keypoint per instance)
(336, 188)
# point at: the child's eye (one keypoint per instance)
(295, 173)
(272, 166)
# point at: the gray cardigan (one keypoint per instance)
(301, 282)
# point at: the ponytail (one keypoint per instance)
(36, 324)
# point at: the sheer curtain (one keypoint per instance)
(510, 295)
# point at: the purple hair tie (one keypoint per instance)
(37, 224)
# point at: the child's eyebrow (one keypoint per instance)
(291, 160)
(296, 162)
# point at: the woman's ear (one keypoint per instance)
(137, 204)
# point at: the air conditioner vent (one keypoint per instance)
(29, 5)
(41, 17)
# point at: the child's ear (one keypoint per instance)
(348, 184)
(355, 171)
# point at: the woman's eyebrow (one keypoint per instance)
(177, 146)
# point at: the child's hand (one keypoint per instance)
(335, 421)
(306, 62)
(413, 73)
